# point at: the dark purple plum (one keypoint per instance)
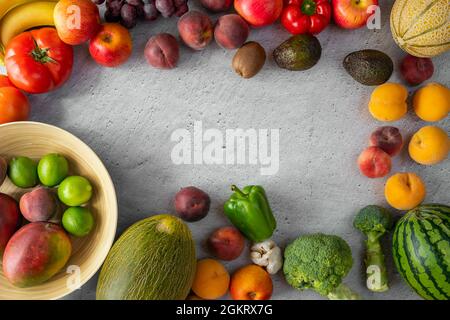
(192, 204)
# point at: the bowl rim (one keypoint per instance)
(113, 214)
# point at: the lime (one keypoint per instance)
(52, 169)
(78, 221)
(22, 172)
(75, 191)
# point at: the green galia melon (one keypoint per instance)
(154, 259)
(421, 27)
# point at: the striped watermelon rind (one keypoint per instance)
(421, 250)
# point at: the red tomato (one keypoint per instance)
(14, 105)
(38, 61)
(4, 81)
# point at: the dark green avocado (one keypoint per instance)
(299, 52)
(369, 67)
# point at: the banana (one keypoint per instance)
(6, 5)
(23, 17)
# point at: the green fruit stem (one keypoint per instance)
(309, 7)
(342, 292)
(377, 279)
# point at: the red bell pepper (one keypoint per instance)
(306, 16)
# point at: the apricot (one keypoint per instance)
(404, 191)
(388, 102)
(374, 162)
(196, 29)
(432, 102)
(211, 279)
(231, 31)
(388, 139)
(429, 145)
(251, 283)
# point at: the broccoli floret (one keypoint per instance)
(374, 222)
(319, 262)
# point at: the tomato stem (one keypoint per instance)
(41, 54)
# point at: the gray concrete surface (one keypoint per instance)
(127, 116)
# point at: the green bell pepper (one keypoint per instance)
(249, 211)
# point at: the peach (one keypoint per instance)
(38, 205)
(432, 102)
(387, 139)
(373, 162)
(162, 51)
(231, 31)
(211, 279)
(196, 29)
(429, 145)
(251, 283)
(216, 5)
(388, 102)
(404, 191)
(76, 21)
(226, 243)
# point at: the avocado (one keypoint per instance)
(299, 52)
(369, 67)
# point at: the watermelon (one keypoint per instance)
(421, 250)
(154, 259)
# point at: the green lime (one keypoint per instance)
(52, 169)
(78, 221)
(75, 191)
(22, 172)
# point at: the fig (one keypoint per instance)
(249, 59)
(192, 204)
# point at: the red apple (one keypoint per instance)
(112, 46)
(352, 14)
(259, 13)
(76, 21)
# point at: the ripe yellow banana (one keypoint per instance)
(6, 5)
(28, 15)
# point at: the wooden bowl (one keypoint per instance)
(35, 140)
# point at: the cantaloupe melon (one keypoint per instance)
(421, 27)
(154, 259)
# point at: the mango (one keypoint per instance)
(9, 219)
(36, 253)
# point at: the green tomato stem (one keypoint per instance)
(377, 279)
(342, 292)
